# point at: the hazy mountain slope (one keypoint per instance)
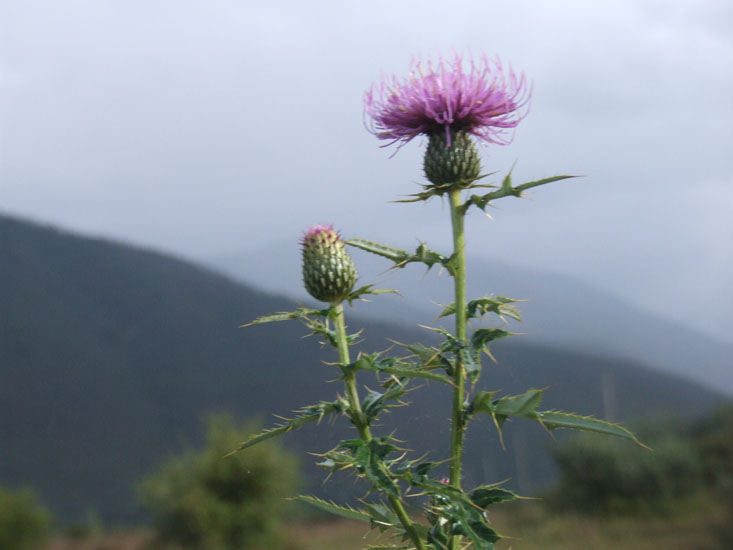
(110, 355)
(560, 310)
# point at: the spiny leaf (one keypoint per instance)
(368, 460)
(343, 511)
(553, 420)
(416, 373)
(336, 460)
(323, 329)
(463, 516)
(431, 357)
(437, 537)
(433, 190)
(471, 363)
(481, 338)
(398, 368)
(394, 254)
(375, 402)
(486, 495)
(299, 313)
(507, 190)
(306, 415)
(500, 305)
(367, 290)
(382, 517)
(401, 258)
(525, 406)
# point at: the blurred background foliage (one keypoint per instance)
(605, 476)
(601, 475)
(24, 523)
(713, 437)
(205, 500)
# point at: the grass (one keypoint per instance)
(690, 527)
(526, 526)
(529, 526)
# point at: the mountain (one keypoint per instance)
(560, 311)
(111, 355)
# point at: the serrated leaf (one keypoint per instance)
(452, 340)
(554, 420)
(423, 468)
(367, 290)
(460, 514)
(482, 536)
(431, 357)
(432, 190)
(483, 336)
(401, 258)
(306, 415)
(324, 330)
(416, 373)
(331, 507)
(437, 537)
(300, 313)
(369, 462)
(486, 495)
(398, 368)
(475, 309)
(525, 406)
(336, 461)
(423, 352)
(382, 517)
(508, 190)
(375, 402)
(471, 363)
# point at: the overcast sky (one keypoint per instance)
(212, 128)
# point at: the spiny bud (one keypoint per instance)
(455, 164)
(328, 272)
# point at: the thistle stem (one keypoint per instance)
(357, 416)
(459, 375)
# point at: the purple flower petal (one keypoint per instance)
(481, 99)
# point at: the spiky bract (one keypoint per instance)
(329, 273)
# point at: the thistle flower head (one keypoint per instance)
(447, 97)
(329, 274)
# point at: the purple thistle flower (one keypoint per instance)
(481, 100)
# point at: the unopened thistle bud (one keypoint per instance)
(329, 274)
(451, 162)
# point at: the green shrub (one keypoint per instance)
(604, 475)
(206, 500)
(24, 524)
(713, 438)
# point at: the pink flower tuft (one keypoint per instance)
(481, 99)
(313, 232)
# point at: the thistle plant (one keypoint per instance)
(453, 104)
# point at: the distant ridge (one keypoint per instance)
(560, 310)
(110, 355)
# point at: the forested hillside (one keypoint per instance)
(110, 356)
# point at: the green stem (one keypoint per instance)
(459, 375)
(352, 395)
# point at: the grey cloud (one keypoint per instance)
(210, 128)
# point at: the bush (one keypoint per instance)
(204, 500)
(713, 437)
(24, 524)
(600, 474)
